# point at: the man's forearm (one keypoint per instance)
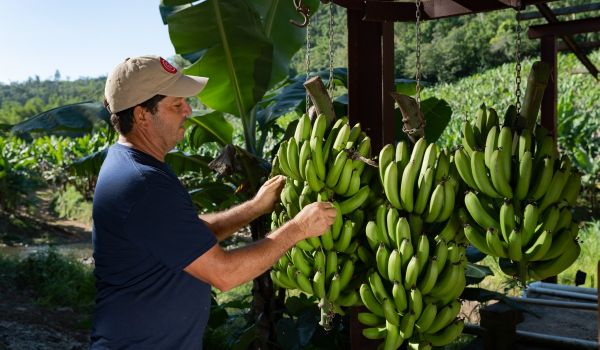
(224, 223)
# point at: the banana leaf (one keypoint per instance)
(88, 166)
(210, 127)
(181, 163)
(72, 120)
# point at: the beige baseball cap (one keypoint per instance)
(138, 79)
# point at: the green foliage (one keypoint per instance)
(68, 203)
(589, 237)
(22, 100)
(56, 280)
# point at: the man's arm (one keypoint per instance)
(224, 223)
(226, 269)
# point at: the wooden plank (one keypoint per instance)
(587, 45)
(548, 119)
(387, 121)
(562, 11)
(568, 40)
(579, 26)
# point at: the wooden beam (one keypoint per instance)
(568, 40)
(579, 26)
(562, 11)
(587, 45)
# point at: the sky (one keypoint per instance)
(80, 38)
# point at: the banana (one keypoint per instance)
(407, 186)
(524, 178)
(370, 319)
(497, 246)
(318, 284)
(422, 251)
(449, 199)
(469, 140)
(341, 138)
(300, 261)
(447, 335)
(390, 184)
(427, 317)
(364, 149)
(559, 179)
(386, 156)
(319, 260)
(344, 181)
(349, 299)
(407, 324)
(293, 158)
(314, 241)
(480, 124)
(304, 155)
(333, 175)
(412, 272)
(326, 240)
(507, 219)
(571, 189)
(436, 203)
(492, 119)
(549, 220)
(317, 157)
(377, 286)
(505, 143)
(540, 247)
(382, 257)
(491, 143)
(319, 127)
(514, 245)
(542, 182)
(444, 317)
(524, 143)
(345, 238)
(402, 153)
(374, 333)
(560, 243)
(427, 282)
(497, 173)
(365, 255)
(429, 159)
(545, 147)
(564, 219)
(331, 138)
(440, 254)
(415, 222)
(282, 156)
(406, 251)
(454, 252)
(392, 218)
(334, 288)
(510, 116)
(353, 137)
(399, 295)
(381, 219)
(304, 283)
(394, 267)
(275, 278)
(402, 231)
(423, 345)
(303, 129)
(553, 267)
(415, 302)
(304, 245)
(346, 273)
(462, 162)
(312, 178)
(392, 338)
(351, 204)
(338, 223)
(479, 172)
(389, 310)
(442, 167)
(372, 232)
(331, 264)
(530, 220)
(445, 284)
(478, 212)
(450, 229)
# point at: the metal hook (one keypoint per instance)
(303, 11)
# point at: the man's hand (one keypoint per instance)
(268, 194)
(315, 219)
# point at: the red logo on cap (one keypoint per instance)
(167, 66)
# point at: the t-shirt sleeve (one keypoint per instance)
(165, 223)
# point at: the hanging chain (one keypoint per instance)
(418, 39)
(307, 63)
(518, 59)
(330, 87)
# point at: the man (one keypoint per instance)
(155, 258)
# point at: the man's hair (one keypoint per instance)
(123, 121)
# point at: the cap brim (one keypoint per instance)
(185, 86)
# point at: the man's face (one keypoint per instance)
(168, 121)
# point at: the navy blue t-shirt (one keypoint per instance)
(146, 231)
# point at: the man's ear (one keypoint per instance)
(139, 114)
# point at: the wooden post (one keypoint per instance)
(548, 55)
(500, 324)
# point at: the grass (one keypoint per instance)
(589, 239)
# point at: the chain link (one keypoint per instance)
(518, 60)
(418, 63)
(307, 57)
(330, 87)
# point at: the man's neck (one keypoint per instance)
(142, 144)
